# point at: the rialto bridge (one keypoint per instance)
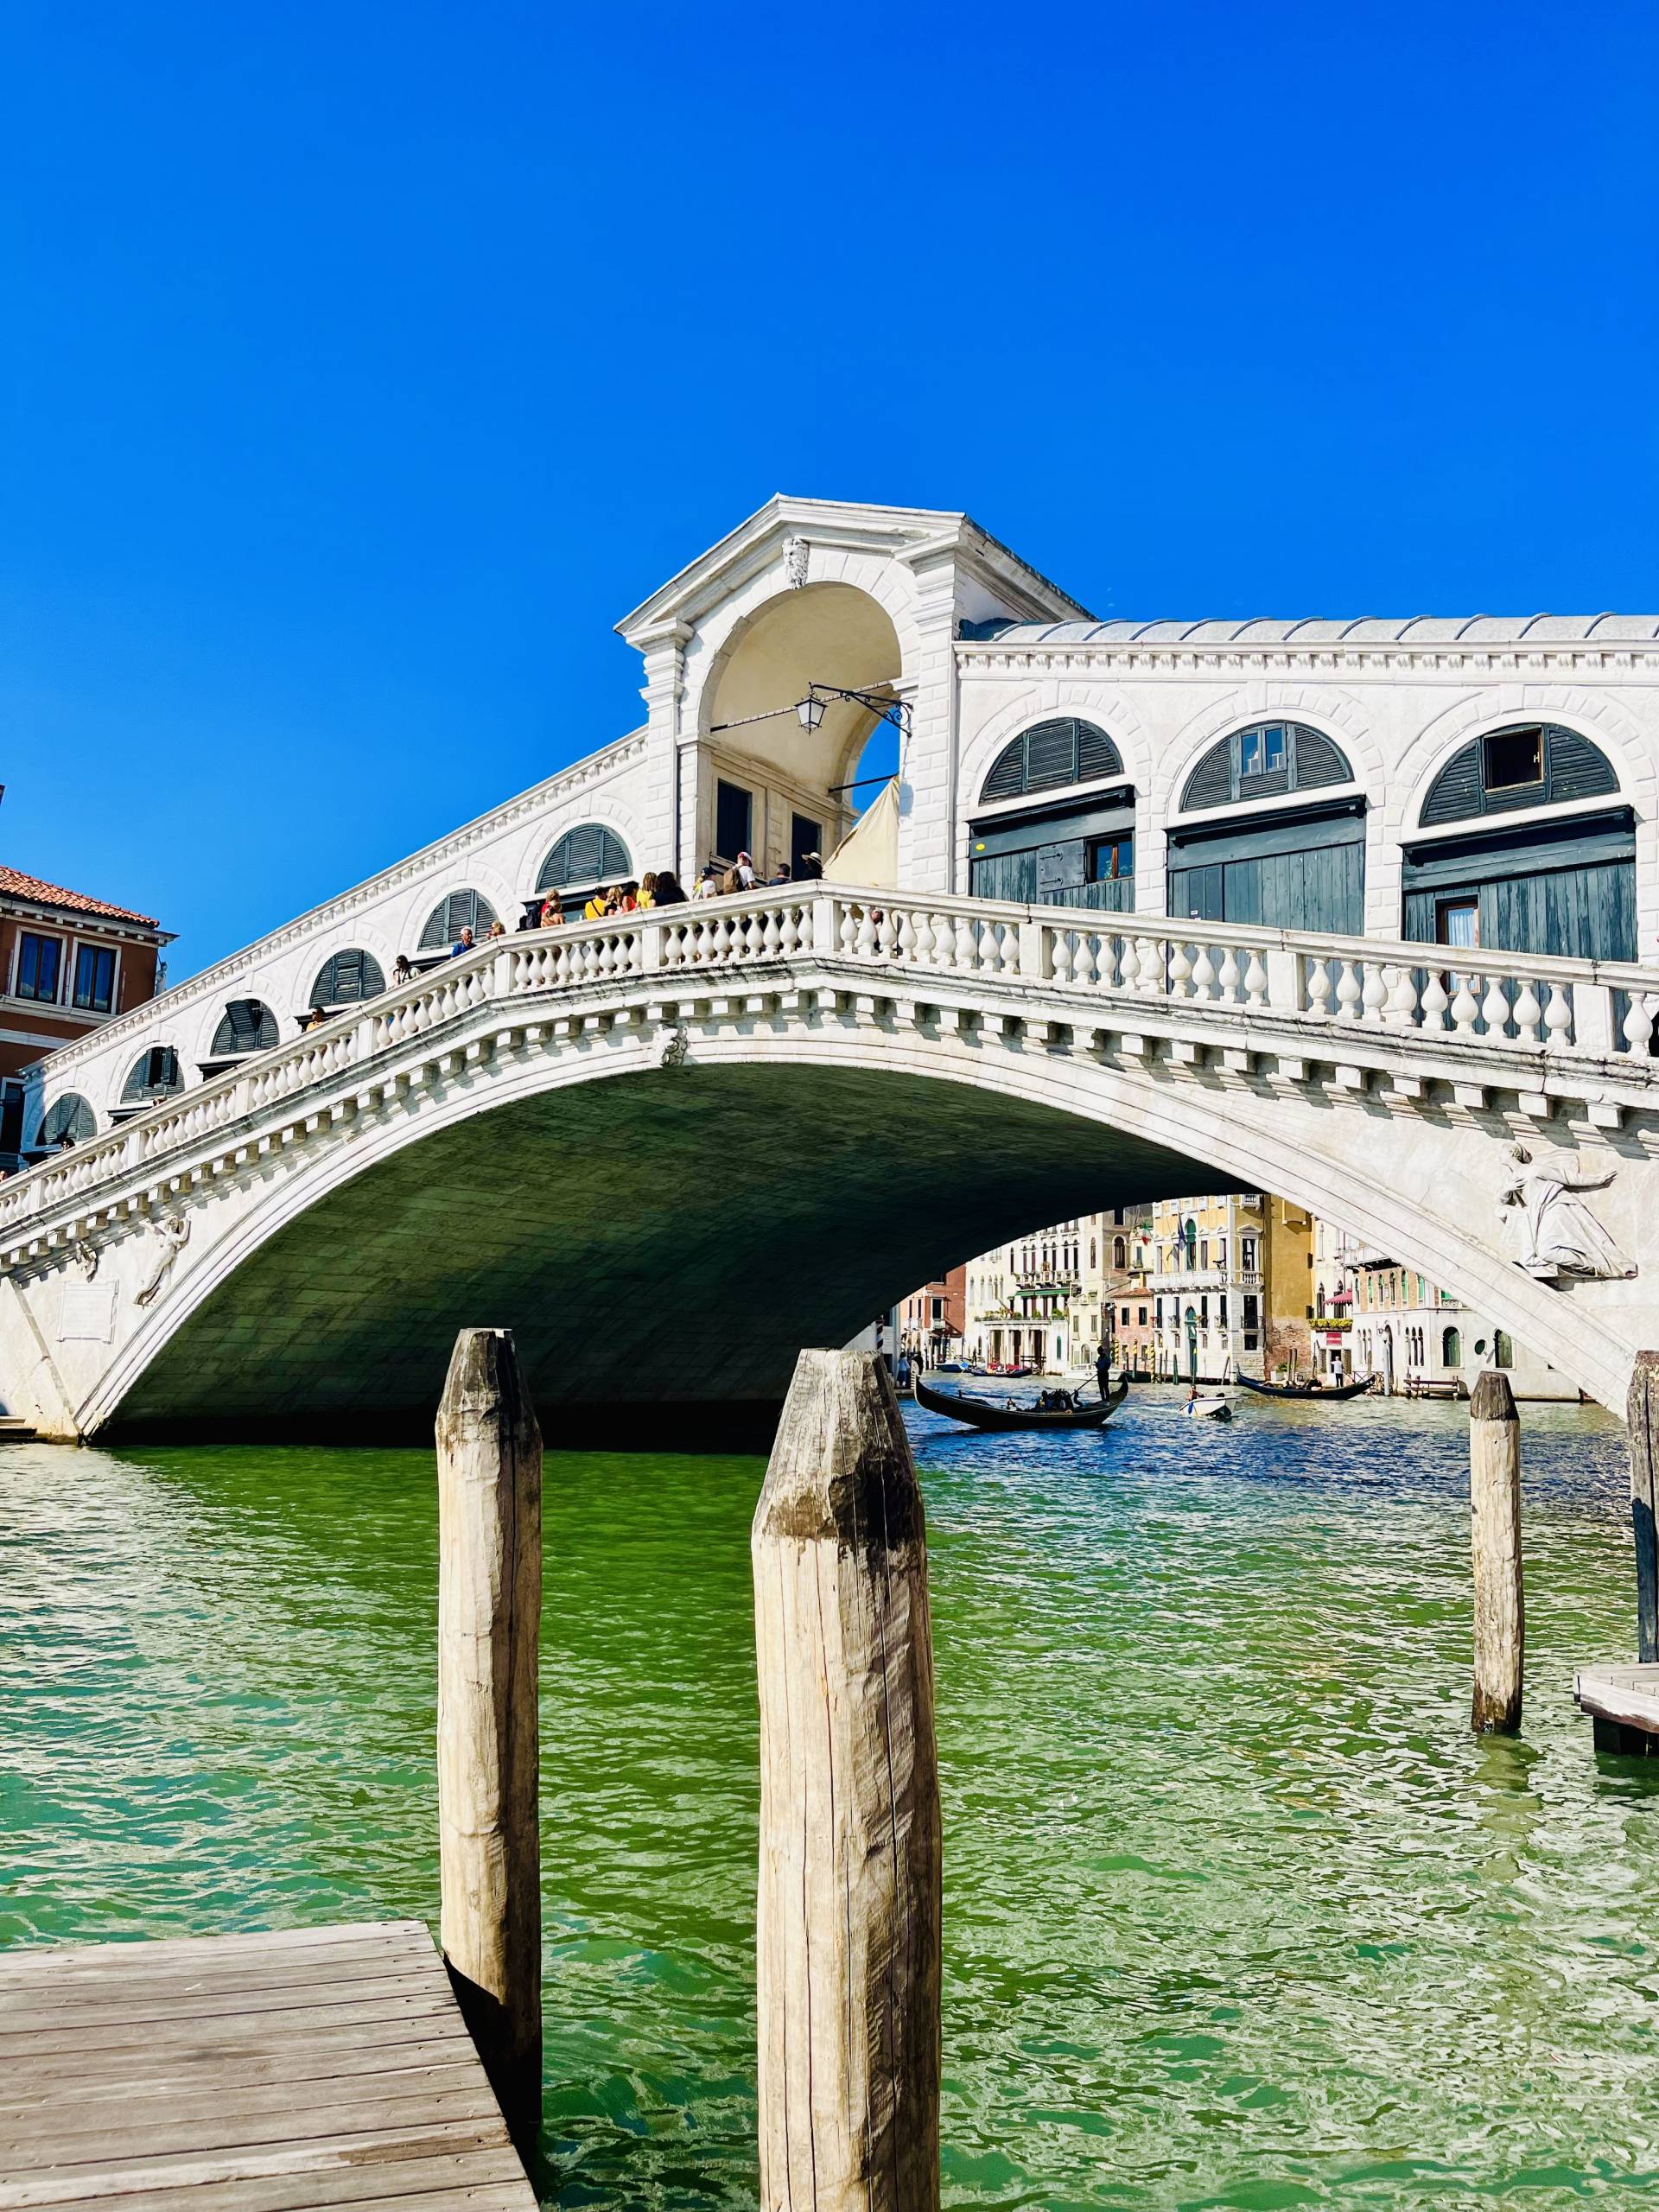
(1374, 893)
(669, 1150)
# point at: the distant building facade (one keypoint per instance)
(1416, 1339)
(70, 964)
(931, 1318)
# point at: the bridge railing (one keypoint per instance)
(1547, 1006)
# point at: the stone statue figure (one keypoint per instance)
(1563, 1238)
(87, 1258)
(175, 1233)
(795, 555)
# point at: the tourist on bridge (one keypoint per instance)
(780, 874)
(402, 970)
(668, 890)
(812, 867)
(464, 943)
(647, 898)
(552, 912)
(746, 878)
(708, 882)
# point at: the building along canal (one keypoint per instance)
(1236, 1911)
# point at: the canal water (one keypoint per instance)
(1237, 1912)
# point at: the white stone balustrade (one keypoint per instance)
(1561, 1012)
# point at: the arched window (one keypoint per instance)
(68, 1120)
(246, 1026)
(155, 1074)
(461, 909)
(587, 855)
(1451, 1348)
(1263, 760)
(1503, 1350)
(1120, 1253)
(349, 977)
(1050, 756)
(1525, 764)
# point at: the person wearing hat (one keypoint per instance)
(708, 882)
(746, 878)
(812, 867)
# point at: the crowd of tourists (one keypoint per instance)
(658, 887)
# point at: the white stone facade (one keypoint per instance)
(877, 599)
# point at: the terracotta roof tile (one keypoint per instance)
(14, 882)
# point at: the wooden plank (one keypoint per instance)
(132, 2138)
(42, 2007)
(133, 1968)
(480, 2181)
(133, 2035)
(1628, 1694)
(215, 2096)
(122, 2072)
(117, 2181)
(56, 1957)
(166, 1992)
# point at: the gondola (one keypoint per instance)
(981, 1413)
(1332, 1393)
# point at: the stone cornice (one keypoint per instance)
(596, 768)
(985, 657)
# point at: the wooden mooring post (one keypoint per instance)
(1641, 1418)
(489, 1622)
(1495, 1528)
(848, 1901)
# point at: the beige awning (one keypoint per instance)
(869, 853)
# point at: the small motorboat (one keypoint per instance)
(1207, 1409)
(986, 1412)
(1336, 1392)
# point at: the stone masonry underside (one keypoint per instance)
(662, 1249)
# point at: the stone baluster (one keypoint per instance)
(1558, 1019)
(1180, 971)
(1495, 1008)
(1528, 1013)
(921, 929)
(1228, 976)
(1255, 982)
(865, 944)
(1638, 1025)
(945, 941)
(1060, 956)
(1129, 966)
(772, 937)
(1083, 960)
(1203, 975)
(1465, 1008)
(1348, 994)
(1318, 989)
(1435, 1002)
(1375, 996)
(1401, 1012)
(848, 931)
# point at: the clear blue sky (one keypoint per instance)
(365, 362)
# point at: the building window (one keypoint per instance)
(68, 1120)
(94, 978)
(938, 1309)
(1141, 1313)
(347, 979)
(805, 836)
(1111, 859)
(461, 909)
(1503, 1350)
(733, 820)
(1451, 1348)
(40, 964)
(155, 1074)
(1120, 1252)
(1513, 757)
(246, 1026)
(1262, 760)
(1051, 755)
(589, 856)
(1529, 764)
(1247, 1255)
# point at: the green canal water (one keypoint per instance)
(1237, 1912)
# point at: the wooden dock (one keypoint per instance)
(317, 2067)
(1623, 1703)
